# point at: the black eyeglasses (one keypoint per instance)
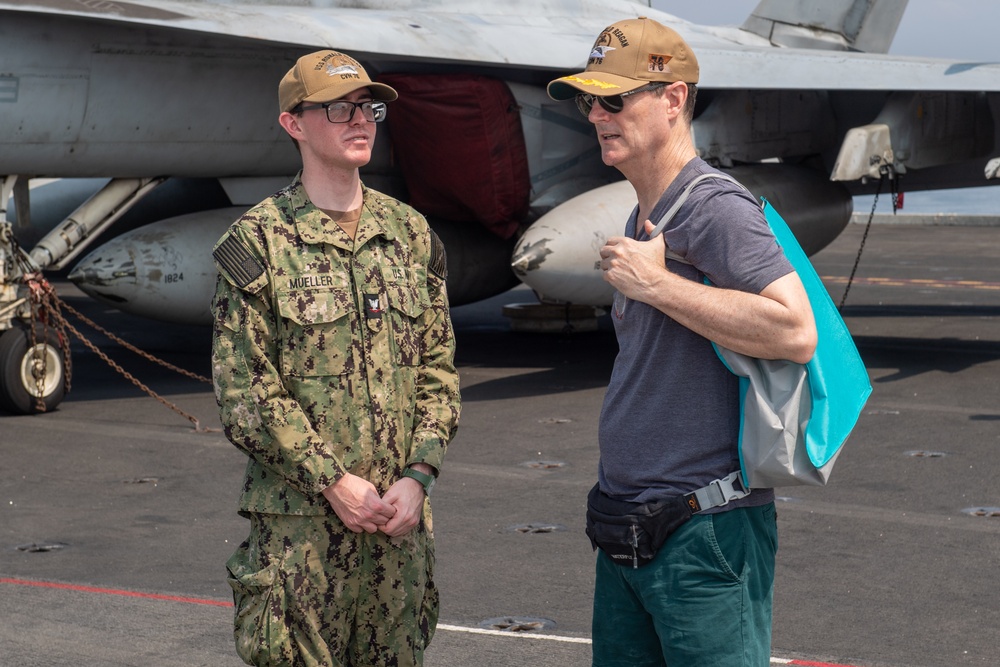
(342, 111)
(610, 103)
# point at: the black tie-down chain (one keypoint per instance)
(45, 300)
(886, 173)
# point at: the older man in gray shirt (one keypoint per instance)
(696, 590)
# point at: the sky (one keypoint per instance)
(954, 29)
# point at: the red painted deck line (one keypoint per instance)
(221, 603)
(115, 591)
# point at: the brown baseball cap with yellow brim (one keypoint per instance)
(324, 76)
(627, 55)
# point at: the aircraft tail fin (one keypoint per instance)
(838, 25)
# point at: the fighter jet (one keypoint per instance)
(801, 103)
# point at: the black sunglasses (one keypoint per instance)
(610, 103)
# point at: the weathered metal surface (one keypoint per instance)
(559, 256)
(150, 88)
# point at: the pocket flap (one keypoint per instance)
(315, 306)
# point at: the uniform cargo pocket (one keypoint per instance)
(256, 627)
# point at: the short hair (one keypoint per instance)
(688, 111)
(296, 111)
(689, 105)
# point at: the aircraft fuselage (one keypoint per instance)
(83, 98)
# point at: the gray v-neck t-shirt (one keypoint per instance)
(670, 420)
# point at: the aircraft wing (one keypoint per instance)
(543, 35)
(748, 67)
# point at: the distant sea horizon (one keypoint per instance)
(971, 201)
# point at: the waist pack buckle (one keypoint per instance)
(718, 493)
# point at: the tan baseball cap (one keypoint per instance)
(627, 55)
(327, 75)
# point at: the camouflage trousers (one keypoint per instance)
(310, 593)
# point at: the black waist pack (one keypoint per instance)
(632, 533)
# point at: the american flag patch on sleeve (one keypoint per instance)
(234, 258)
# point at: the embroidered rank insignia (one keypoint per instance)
(236, 260)
(373, 307)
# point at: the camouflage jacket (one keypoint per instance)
(331, 355)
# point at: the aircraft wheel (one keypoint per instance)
(30, 372)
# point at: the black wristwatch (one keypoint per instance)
(426, 480)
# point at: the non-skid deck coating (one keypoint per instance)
(132, 514)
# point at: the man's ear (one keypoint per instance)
(291, 124)
(676, 94)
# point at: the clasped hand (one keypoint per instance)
(631, 266)
(356, 501)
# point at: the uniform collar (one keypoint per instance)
(313, 226)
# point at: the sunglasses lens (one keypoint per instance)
(612, 103)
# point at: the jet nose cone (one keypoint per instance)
(529, 254)
(163, 270)
(103, 269)
(558, 256)
(107, 274)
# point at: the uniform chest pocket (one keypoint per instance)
(318, 332)
(408, 299)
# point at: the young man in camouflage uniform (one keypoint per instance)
(333, 365)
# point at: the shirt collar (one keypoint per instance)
(315, 227)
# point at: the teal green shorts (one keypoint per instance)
(704, 601)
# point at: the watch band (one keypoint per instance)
(427, 481)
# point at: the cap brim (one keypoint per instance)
(595, 83)
(380, 92)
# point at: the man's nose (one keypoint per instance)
(597, 113)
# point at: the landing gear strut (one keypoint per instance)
(34, 354)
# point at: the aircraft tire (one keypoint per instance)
(18, 363)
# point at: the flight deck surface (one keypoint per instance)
(116, 517)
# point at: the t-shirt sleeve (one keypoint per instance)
(724, 234)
